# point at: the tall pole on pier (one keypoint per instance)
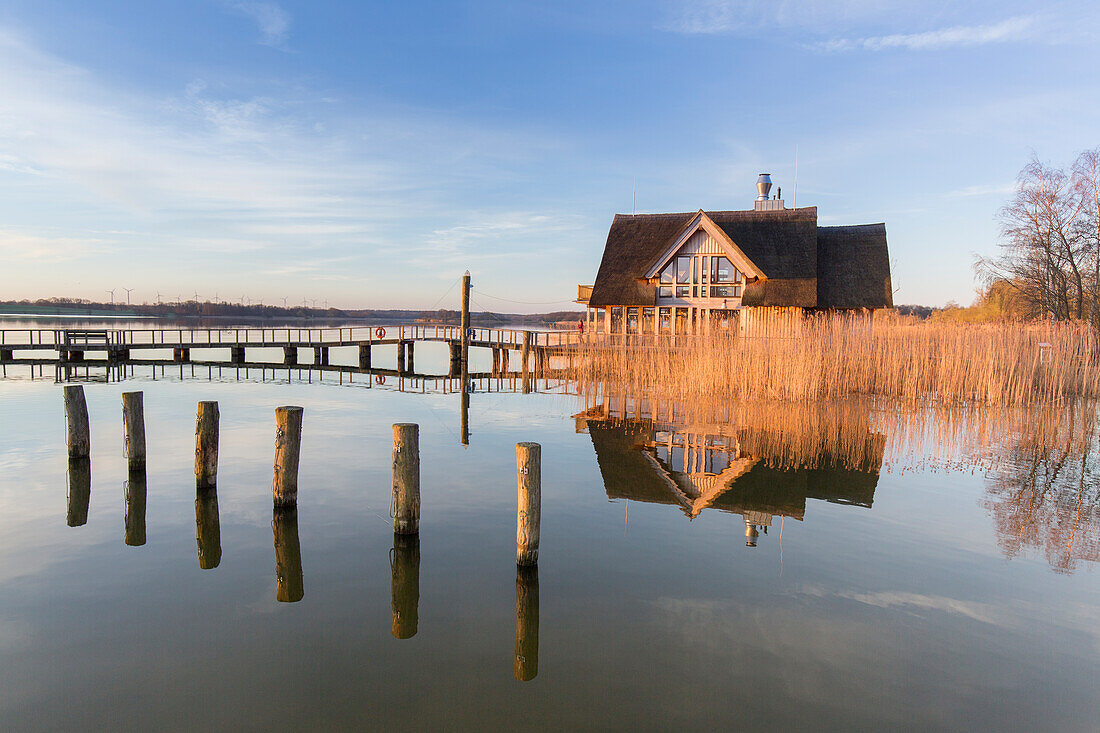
(465, 437)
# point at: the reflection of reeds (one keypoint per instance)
(837, 356)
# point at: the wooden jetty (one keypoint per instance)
(230, 346)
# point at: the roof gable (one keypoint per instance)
(703, 222)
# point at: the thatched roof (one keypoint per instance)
(786, 245)
(853, 267)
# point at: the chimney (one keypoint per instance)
(763, 188)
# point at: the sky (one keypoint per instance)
(365, 154)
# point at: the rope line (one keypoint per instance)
(522, 302)
(445, 294)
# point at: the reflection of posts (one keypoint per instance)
(80, 491)
(464, 417)
(288, 555)
(405, 584)
(208, 528)
(529, 502)
(406, 478)
(77, 439)
(206, 445)
(135, 508)
(527, 623)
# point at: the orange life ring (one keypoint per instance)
(379, 378)
(379, 332)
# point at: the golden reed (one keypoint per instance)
(917, 363)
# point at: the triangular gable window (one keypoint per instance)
(731, 266)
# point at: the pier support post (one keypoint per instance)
(236, 354)
(496, 360)
(529, 509)
(364, 356)
(77, 439)
(206, 445)
(527, 623)
(181, 354)
(400, 357)
(410, 364)
(288, 555)
(504, 360)
(133, 424)
(80, 491)
(526, 361)
(320, 355)
(405, 584)
(465, 326)
(74, 355)
(406, 478)
(136, 490)
(288, 440)
(208, 532)
(290, 355)
(456, 359)
(6, 355)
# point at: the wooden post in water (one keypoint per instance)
(406, 478)
(364, 356)
(288, 441)
(77, 439)
(290, 355)
(526, 362)
(527, 623)
(133, 424)
(136, 490)
(464, 417)
(80, 490)
(529, 494)
(400, 357)
(288, 555)
(206, 445)
(208, 532)
(465, 326)
(405, 584)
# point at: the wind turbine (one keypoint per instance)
(128, 291)
(196, 296)
(158, 297)
(112, 292)
(284, 301)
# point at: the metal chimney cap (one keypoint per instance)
(763, 186)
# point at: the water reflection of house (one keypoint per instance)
(724, 469)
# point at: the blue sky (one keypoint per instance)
(366, 154)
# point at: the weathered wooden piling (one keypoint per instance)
(133, 425)
(136, 492)
(406, 478)
(80, 490)
(456, 359)
(206, 445)
(464, 417)
(405, 584)
(364, 356)
(208, 532)
(526, 362)
(504, 359)
(401, 357)
(77, 438)
(410, 362)
(288, 441)
(527, 623)
(529, 510)
(236, 354)
(320, 355)
(465, 326)
(496, 360)
(181, 354)
(290, 355)
(288, 555)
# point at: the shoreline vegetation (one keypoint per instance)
(829, 357)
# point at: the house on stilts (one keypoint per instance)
(745, 272)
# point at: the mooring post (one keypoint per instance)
(288, 555)
(133, 425)
(465, 326)
(208, 532)
(136, 490)
(77, 438)
(405, 584)
(406, 478)
(206, 445)
(529, 509)
(527, 623)
(80, 490)
(288, 441)
(464, 417)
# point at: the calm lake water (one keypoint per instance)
(691, 575)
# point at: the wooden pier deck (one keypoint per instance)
(73, 346)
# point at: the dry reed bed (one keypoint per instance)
(918, 363)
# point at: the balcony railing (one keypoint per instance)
(584, 292)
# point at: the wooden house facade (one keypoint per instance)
(733, 271)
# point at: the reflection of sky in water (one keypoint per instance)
(905, 614)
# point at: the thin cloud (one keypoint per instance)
(1012, 29)
(270, 18)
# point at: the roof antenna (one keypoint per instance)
(634, 197)
(795, 205)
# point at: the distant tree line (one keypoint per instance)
(1050, 250)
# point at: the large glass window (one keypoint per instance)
(683, 269)
(723, 271)
(664, 315)
(668, 275)
(665, 291)
(682, 291)
(647, 320)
